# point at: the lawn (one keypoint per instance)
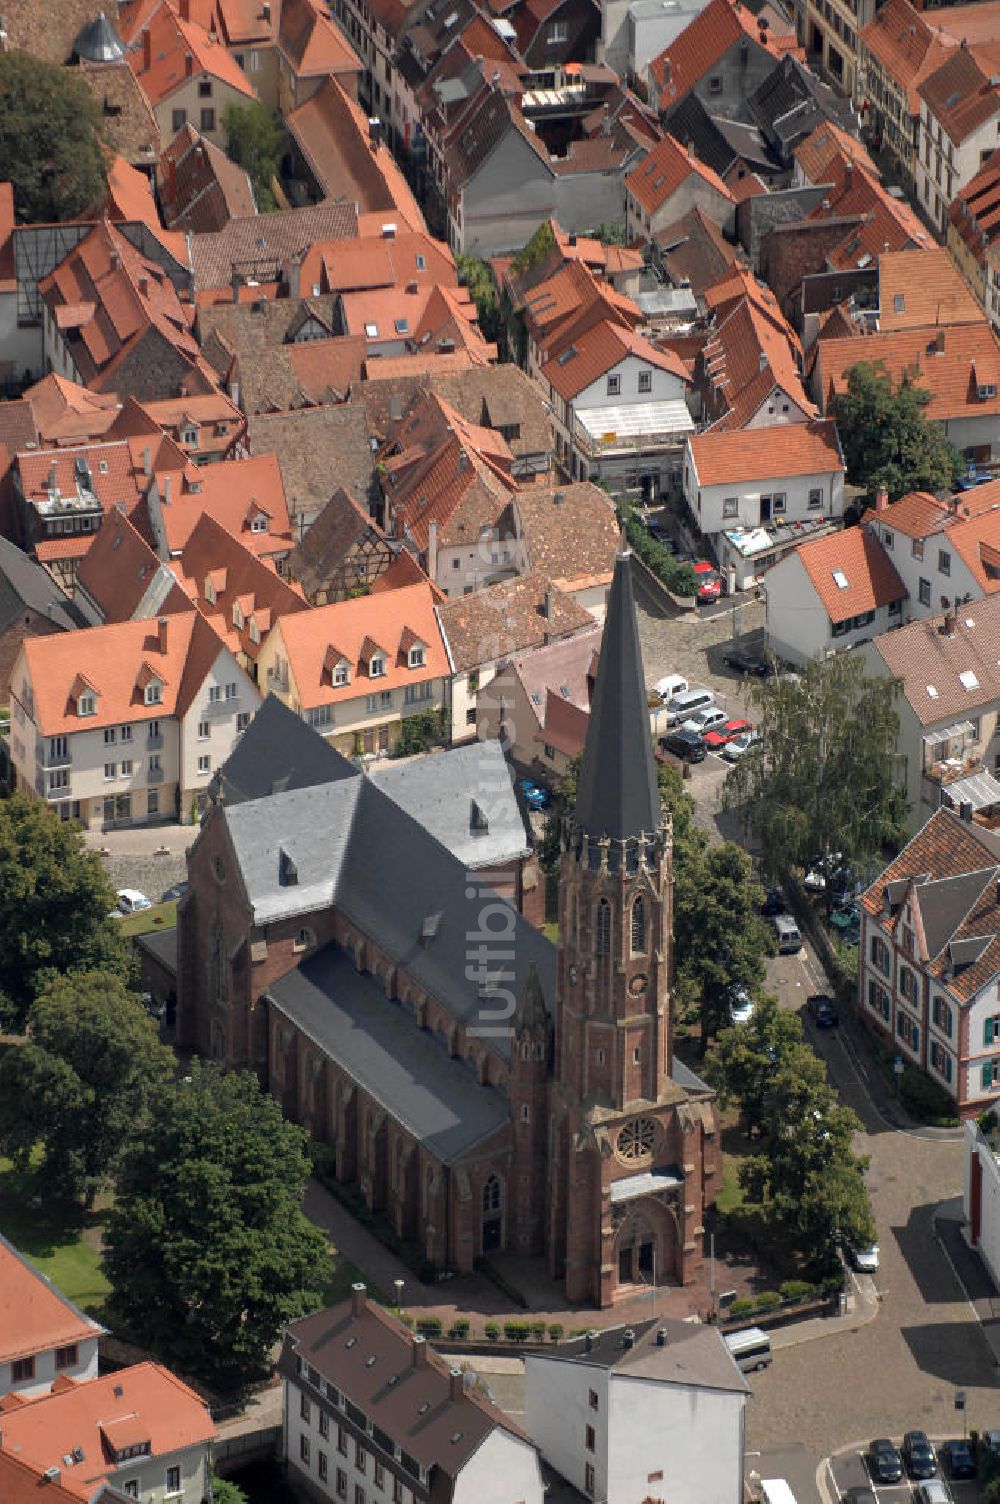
(63, 1241)
(162, 916)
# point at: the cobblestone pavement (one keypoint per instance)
(148, 857)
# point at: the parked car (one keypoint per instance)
(669, 686)
(958, 1459)
(705, 720)
(774, 903)
(884, 1461)
(933, 1492)
(709, 582)
(681, 706)
(919, 1455)
(534, 795)
(786, 933)
(659, 530)
(865, 1260)
(719, 736)
(130, 901)
(741, 1005)
(687, 745)
(859, 1495)
(750, 665)
(823, 1010)
(740, 746)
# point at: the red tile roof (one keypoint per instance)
(923, 288)
(234, 492)
(885, 221)
(950, 363)
(65, 412)
(825, 147)
(171, 42)
(975, 210)
(597, 350)
(960, 94)
(246, 590)
(34, 1317)
(761, 454)
(200, 188)
(665, 170)
(905, 45)
(313, 45)
(118, 570)
(22, 1484)
(917, 514)
(705, 41)
(851, 573)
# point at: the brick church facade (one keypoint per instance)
(483, 1089)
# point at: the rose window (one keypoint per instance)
(635, 1141)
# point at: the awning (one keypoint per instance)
(637, 419)
(647, 1183)
(981, 790)
(960, 728)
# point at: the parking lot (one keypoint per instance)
(850, 1470)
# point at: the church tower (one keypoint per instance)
(632, 1149)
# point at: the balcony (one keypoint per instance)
(154, 740)
(49, 759)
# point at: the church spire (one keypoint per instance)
(617, 793)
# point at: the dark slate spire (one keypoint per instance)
(617, 795)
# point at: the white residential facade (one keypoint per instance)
(942, 165)
(799, 627)
(735, 503)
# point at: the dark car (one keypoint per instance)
(748, 664)
(687, 745)
(823, 1010)
(884, 1461)
(774, 903)
(859, 1495)
(661, 533)
(958, 1459)
(919, 1455)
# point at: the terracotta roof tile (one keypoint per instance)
(975, 210)
(960, 94)
(318, 449)
(707, 39)
(234, 492)
(247, 583)
(929, 662)
(333, 135)
(300, 375)
(328, 542)
(507, 618)
(265, 242)
(923, 288)
(200, 188)
(667, 167)
(171, 42)
(120, 571)
(851, 573)
(753, 454)
(950, 363)
(311, 42)
(570, 533)
(34, 1317)
(917, 514)
(596, 351)
(906, 45)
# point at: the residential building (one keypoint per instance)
(43, 1336)
(112, 321)
(345, 1428)
(723, 55)
(247, 496)
(981, 1194)
(124, 724)
(200, 188)
(342, 554)
(747, 372)
(619, 409)
(948, 745)
(317, 449)
(958, 129)
(613, 1409)
(945, 551)
(538, 704)
(186, 73)
(751, 478)
(20, 1483)
(693, 252)
(566, 304)
(31, 605)
(930, 958)
(569, 534)
(139, 1429)
(484, 629)
(476, 1120)
(256, 250)
(357, 668)
(63, 412)
(668, 184)
(311, 49)
(205, 428)
(823, 150)
(972, 229)
(121, 579)
(897, 49)
(831, 594)
(830, 34)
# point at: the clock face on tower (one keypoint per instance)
(637, 985)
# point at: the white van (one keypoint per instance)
(749, 1348)
(681, 707)
(786, 932)
(776, 1491)
(668, 686)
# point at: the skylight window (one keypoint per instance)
(371, 330)
(402, 326)
(840, 579)
(968, 680)
(932, 691)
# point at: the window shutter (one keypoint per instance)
(988, 1031)
(987, 1074)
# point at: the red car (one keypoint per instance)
(709, 583)
(718, 738)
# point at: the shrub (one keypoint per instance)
(406, 1317)
(987, 1120)
(430, 1326)
(680, 578)
(492, 1331)
(924, 1099)
(516, 1331)
(538, 1330)
(459, 1328)
(767, 1300)
(555, 1331)
(795, 1290)
(742, 1307)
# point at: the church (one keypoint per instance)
(484, 1089)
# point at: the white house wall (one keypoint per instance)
(666, 387)
(988, 1245)
(692, 1437)
(502, 1470)
(706, 502)
(45, 1370)
(557, 1412)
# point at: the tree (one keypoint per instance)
(225, 1491)
(207, 1249)
(823, 784)
(50, 140)
(478, 278)
(534, 252)
(742, 1061)
(83, 1082)
(253, 142)
(56, 902)
(887, 440)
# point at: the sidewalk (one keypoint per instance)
(970, 1271)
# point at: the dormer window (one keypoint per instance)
(417, 657)
(376, 666)
(153, 693)
(258, 523)
(254, 631)
(189, 436)
(341, 673)
(86, 703)
(209, 590)
(237, 616)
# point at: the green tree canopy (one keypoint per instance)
(83, 1082)
(207, 1249)
(253, 142)
(56, 902)
(887, 440)
(741, 1063)
(479, 280)
(50, 139)
(823, 780)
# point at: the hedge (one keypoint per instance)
(459, 1329)
(555, 1331)
(492, 1331)
(679, 578)
(516, 1331)
(430, 1326)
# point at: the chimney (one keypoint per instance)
(293, 276)
(265, 11)
(456, 1384)
(661, 1337)
(359, 1299)
(547, 607)
(236, 286)
(188, 65)
(147, 460)
(167, 488)
(144, 286)
(606, 121)
(52, 484)
(881, 499)
(374, 132)
(463, 462)
(161, 633)
(763, 361)
(51, 1475)
(965, 811)
(115, 261)
(419, 1351)
(411, 288)
(147, 51)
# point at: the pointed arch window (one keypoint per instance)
(492, 1195)
(602, 928)
(639, 927)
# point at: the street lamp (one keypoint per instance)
(399, 1294)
